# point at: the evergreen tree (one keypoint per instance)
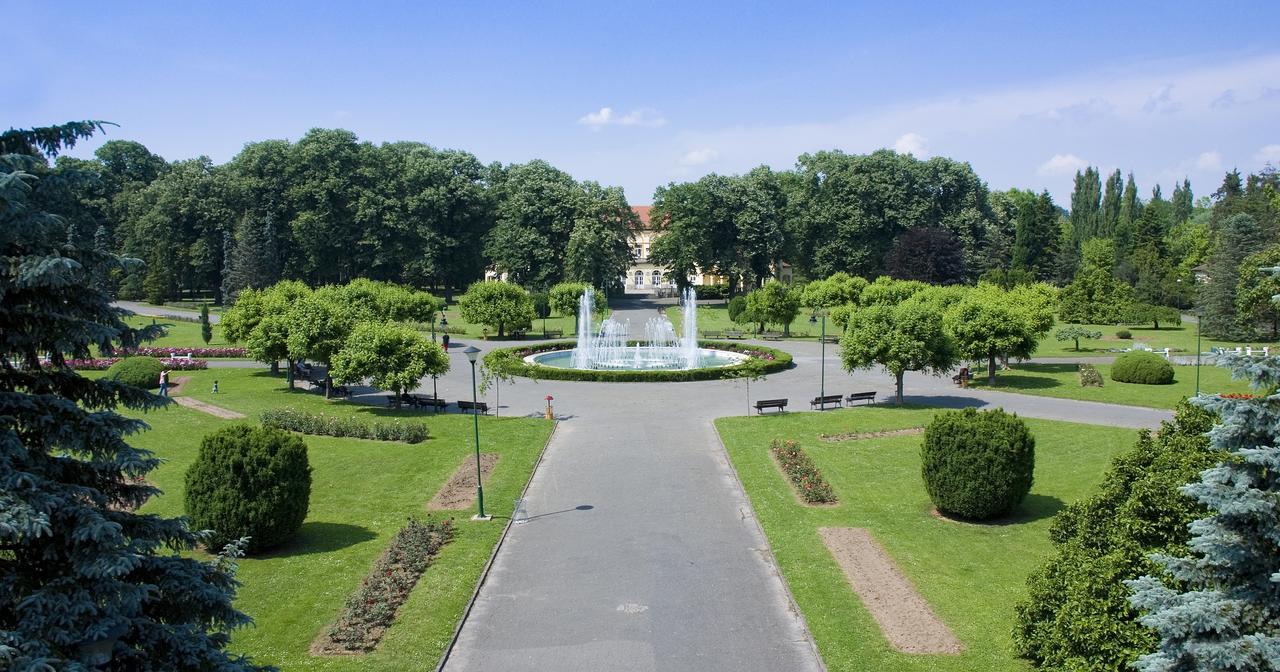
(1130, 211)
(1085, 198)
(1238, 237)
(252, 257)
(1111, 205)
(1183, 201)
(77, 565)
(1095, 296)
(1222, 608)
(1035, 244)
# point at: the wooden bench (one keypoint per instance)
(825, 401)
(771, 335)
(869, 397)
(780, 404)
(481, 406)
(712, 334)
(733, 334)
(553, 333)
(830, 339)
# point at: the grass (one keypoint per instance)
(362, 492)
(1181, 338)
(179, 334)
(1062, 381)
(716, 318)
(971, 574)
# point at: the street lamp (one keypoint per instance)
(472, 352)
(822, 389)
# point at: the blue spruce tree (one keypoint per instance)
(85, 582)
(1221, 609)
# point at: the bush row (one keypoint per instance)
(802, 473)
(211, 353)
(373, 607)
(319, 424)
(510, 361)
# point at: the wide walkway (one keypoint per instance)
(642, 552)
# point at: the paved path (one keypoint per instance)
(642, 552)
(164, 311)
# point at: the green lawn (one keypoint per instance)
(180, 334)
(1180, 338)
(716, 318)
(1061, 380)
(972, 575)
(362, 492)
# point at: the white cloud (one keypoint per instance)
(1211, 160)
(912, 143)
(699, 157)
(606, 116)
(1062, 164)
(1161, 101)
(1269, 154)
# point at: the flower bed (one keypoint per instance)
(372, 609)
(510, 362)
(104, 363)
(184, 364)
(207, 353)
(320, 424)
(802, 473)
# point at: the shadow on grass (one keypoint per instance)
(321, 537)
(1034, 507)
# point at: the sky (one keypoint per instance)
(640, 95)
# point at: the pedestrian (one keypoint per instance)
(164, 383)
(215, 387)
(445, 339)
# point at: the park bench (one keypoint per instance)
(733, 334)
(826, 401)
(713, 334)
(780, 404)
(481, 406)
(830, 339)
(772, 335)
(869, 397)
(554, 333)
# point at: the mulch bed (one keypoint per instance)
(459, 492)
(859, 436)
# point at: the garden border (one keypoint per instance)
(510, 362)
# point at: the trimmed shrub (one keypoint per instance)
(318, 424)
(1124, 334)
(1077, 615)
(977, 465)
(737, 306)
(141, 372)
(510, 362)
(1143, 368)
(1089, 376)
(803, 473)
(249, 482)
(372, 608)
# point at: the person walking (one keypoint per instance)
(164, 383)
(445, 339)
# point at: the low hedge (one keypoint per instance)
(319, 424)
(510, 361)
(1143, 368)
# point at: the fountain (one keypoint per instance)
(610, 349)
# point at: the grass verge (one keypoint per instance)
(972, 575)
(1062, 381)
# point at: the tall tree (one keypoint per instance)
(990, 322)
(1096, 296)
(1111, 198)
(537, 207)
(901, 338)
(928, 255)
(1086, 196)
(1036, 240)
(1183, 201)
(1130, 211)
(1238, 237)
(599, 250)
(78, 566)
(760, 223)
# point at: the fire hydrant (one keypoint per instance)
(550, 415)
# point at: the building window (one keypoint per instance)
(657, 278)
(639, 278)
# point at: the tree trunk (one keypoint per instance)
(287, 376)
(1077, 345)
(991, 368)
(500, 327)
(786, 329)
(275, 367)
(899, 376)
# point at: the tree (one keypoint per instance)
(77, 564)
(599, 250)
(1086, 215)
(775, 303)
(206, 327)
(319, 324)
(1183, 201)
(760, 223)
(1238, 237)
(990, 322)
(394, 356)
(928, 255)
(497, 304)
(837, 290)
(1075, 333)
(1255, 289)
(1130, 211)
(1077, 615)
(566, 298)
(901, 338)
(1096, 296)
(260, 320)
(1219, 607)
(253, 261)
(1035, 244)
(1110, 206)
(537, 209)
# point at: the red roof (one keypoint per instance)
(642, 211)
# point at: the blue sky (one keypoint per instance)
(639, 95)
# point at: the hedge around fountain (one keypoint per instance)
(510, 362)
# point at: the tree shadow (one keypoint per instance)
(1034, 507)
(321, 537)
(920, 401)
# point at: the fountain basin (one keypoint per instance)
(638, 359)
(521, 361)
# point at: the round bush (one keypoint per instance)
(141, 372)
(249, 482)
(1124, 334)
(1144, 368)
(977, 465)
